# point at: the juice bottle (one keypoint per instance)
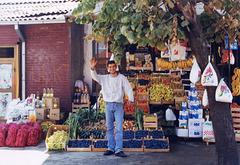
(43, 103)
(44, 92)
(55, 104)
(38, 97)
(32, 115)
(51, 93)
(48, 92)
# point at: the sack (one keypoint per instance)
(225, 57)
(208, 130)
(177, 52)
(170, 115)
(205, 98)
(209, 76)
(223, 93)
(195, 73)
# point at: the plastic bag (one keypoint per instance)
(195, 73)
(225, 57)
(208, 130)
(177, 52)
(223, 93)
(170, 115)
(209, 76)
(205, 98)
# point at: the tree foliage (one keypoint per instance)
(154, 22)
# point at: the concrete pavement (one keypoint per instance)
(182, 152)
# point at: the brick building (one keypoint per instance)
(43, 48)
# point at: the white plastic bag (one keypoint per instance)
(195, 73)
(208, 130)
(223, 93)
(205, 98)
(170, 115)
(209, 76)
(232, 60)
(177, 52)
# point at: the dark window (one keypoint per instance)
(6, 52)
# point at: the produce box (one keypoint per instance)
(181, 132)
(56, 146)
(156, 134)
(156, 145)
(133, 145)
(129, 134)
(55, 114)
(49, 102)
(41, 113)
(78, 145)
(99, 145)
(178, 102)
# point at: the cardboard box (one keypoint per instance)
(195, 127)
(56, 146)
(195, 132)
(192, 123)
(55, 114)
(41, 113)
(181, 132)
(50, 101)
(183, 123)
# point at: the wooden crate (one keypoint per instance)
(99, 149)
(76, 106)
(156, 102)
(150, 122)
(134, 149)
(79, 149)
(50, 101)
(179, 100)
(157, 150)
(167, 102)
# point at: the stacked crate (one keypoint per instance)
(236, 122)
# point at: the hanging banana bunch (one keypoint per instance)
(162, 64)
(236, 82)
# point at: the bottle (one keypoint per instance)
(48, 113)
(38, 97)
(78, 99)
(32, 115)
(87, 98)
(55, 103)
(207, 115)
(43, 103)
(44, 92)
(86, 89)
(75, 98)
(38, 104)
(48, 92)
(51, 92)
(82, 99)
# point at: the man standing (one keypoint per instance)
(113, 87)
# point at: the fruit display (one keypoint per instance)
(145, 109)
(129, 125)
(161, 91)
(141, 134)
(158, 134)
(155, 144)
(100, 125)
(177, 85)
(79, 143)
(100, 144)
(96, 134)
(163, 64)
(128, 134)
(58, 137)
(101, 105)
(236, 82)
(129, 108)
(132, 143)
(141, 89)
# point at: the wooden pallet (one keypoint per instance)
(99, 149)
(133, 149)
(76, 106)
(79, 149)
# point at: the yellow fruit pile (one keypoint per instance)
(161, 91)
(236, 82)
(58, 137)
(162, 64)
(101, 105)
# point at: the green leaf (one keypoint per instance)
(130, 34)
(152, 43)
(218, 39)
(144, 41)
(185, 23)
(170, 4)
(109, 10)
(124, 19)
(123, 30)
(161, 46)
(115, 15)
(78, 20)
(84, 20)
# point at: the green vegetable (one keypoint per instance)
(139, 118)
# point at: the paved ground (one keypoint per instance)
(182, 152)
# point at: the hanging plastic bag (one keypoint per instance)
(208, 130)
(195, 73)
(177, 52)
(225, 57)
(223, 93)
(205, 98)
(170, 115)
(209, 76)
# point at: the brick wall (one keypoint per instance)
(8, 35)
(48, 60)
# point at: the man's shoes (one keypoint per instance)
(121, 154)
(108, 152)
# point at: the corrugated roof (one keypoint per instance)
(32, 11)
